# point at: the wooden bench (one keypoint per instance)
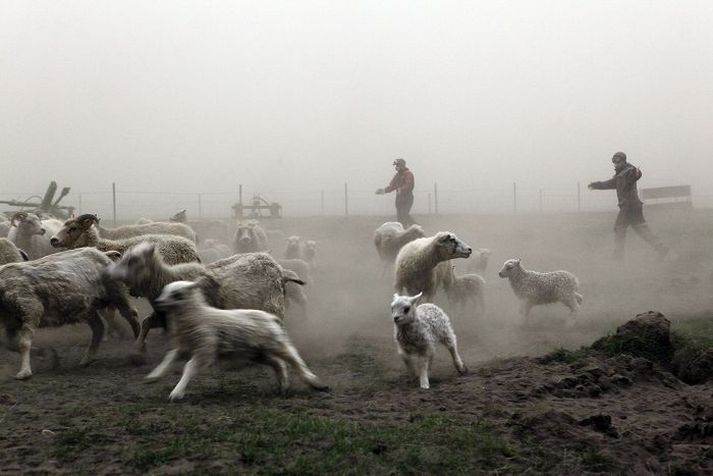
(667, 197)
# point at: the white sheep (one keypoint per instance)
(207, 334)
(533, 288)
(390, 237)
(249, 237)
(62, 288)
(417, 330)
(478, 261)
(80, 231)
(32, 234)
(466, 292)
(293, 250)
(309, 253)
(422, 266)
(153, 228)
(9, 253)
(247, 281)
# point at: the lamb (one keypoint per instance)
(417, 330)
(9, 253)
(59, 289)
(31, 234)
(293, 247)
(246, 281)
(153, 228)
(478, 261)
(208, 334)
(390, 237)
(422, 266)
(78, 232)
(466, 291)
(533, 288)
(249, 237)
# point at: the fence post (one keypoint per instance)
(579, 197)
(321, 201)
(113, 200)
(435, 198)
(200, 206)
(514, 198)
(346, 200)
(540, 200)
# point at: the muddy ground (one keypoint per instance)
(513, 413)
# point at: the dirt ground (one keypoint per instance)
(589, 415)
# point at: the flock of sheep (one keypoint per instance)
(222, 301)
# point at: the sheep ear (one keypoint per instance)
(518, 260)
(416, 297)
(24, 256)
(396, 295)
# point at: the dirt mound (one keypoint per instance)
(648, 336)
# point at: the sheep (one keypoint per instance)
(533, 288)
(309, 253)
(208, 334)
(213, 250)
(417, 330)
(466, 290)
(249, 237)
(423, 264)
(250, 280)
(293, 247)
(59, 289)
(153, 228)
(9, 253)
(32, 234)
(478, 261)
(390, 237)
(78, 232)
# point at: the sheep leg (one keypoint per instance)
(525, 308)
(423, 372)
(163, 367)
(408, 361)
(289, 354)
(97, 325)
(151, 321)
(189, 370)
(131, 316)
(21, 341)
(452, 346)
(280, 368)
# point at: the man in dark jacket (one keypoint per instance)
(630, 207)
(403, 183)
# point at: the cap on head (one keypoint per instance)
(399, 161)
(619, 156)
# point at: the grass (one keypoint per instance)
(264, 440)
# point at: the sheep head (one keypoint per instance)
(403, 308)
(72, 230)
(510, 267)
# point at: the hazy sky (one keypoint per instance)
(304, 95)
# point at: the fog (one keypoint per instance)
(290, 98)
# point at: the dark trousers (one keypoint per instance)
(633, 215)
(403, 209)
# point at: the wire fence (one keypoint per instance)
(508, 198)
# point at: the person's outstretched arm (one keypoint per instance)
(603, 185)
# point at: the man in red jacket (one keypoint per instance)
(402, 183)
(631, 210)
